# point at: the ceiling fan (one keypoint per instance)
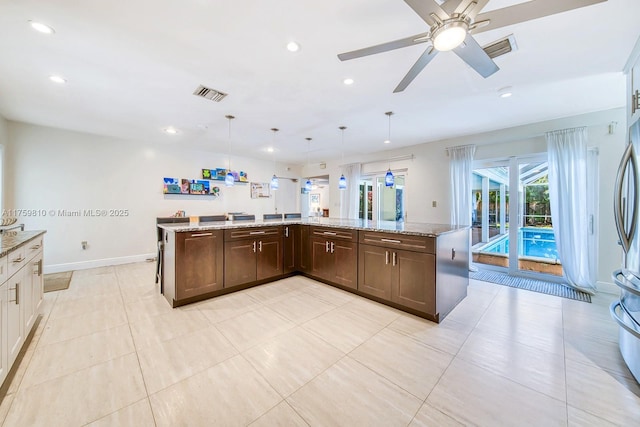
(451, 25)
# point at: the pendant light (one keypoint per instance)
(342, 183)
(388, 178)
(308, 185)
(229, 180)
(274, 178)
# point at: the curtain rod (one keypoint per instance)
(390, 159)
(458, 146)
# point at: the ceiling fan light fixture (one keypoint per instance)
(450, 35)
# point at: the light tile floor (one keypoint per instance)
(109, 351)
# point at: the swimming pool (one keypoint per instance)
(534, 242)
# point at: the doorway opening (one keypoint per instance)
(378, 202)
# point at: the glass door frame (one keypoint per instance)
(373, 178)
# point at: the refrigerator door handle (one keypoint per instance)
(622, 222)
(632, 329)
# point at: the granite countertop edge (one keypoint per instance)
(12, 240)
(411, 229)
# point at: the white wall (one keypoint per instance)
(4, 138)
(51, 169)
(428, 173)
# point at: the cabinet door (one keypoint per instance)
(321, 261)
(374, 271)
(415, 285)
(26, 298)
(199, 263)
(37, 283)
(269, 260)
(15, 326)
(291, 251)
(4, 352)
(305, 249)
(345, 263)
(239, 262)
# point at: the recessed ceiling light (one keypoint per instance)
(387, 141)
(170, 130)
(270, 150)
(293, 47)
(505, 92)
(348, 81)
(38, 26)
(57, 79)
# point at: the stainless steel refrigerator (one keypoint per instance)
(626, 311)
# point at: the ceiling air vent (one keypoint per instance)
(501, 47)
(212, 94)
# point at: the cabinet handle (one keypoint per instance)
(35, 247)
(386, 257)
(395, 256)
(333, 245)
(40, 267)
(330, 233)
(252, 233)
(260, 246)
(254, 247)
(326, 246)
(17, 289)
(202, 234)
(18, 259)
(453, 253)
(391, 241)
(286, 232)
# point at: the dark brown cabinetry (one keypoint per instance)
(292, 248)
(334, 255)
(400, 269)
(305, 249)
(199, 268)
(192, 264)
(252, 254)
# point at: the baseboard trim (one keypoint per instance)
(608, 288)
(83, 265)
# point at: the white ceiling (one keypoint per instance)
(132, 68)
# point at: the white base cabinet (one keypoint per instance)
(21, 296)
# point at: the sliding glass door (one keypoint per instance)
(512, 226)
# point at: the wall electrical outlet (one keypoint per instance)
(84, 245)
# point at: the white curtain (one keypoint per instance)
(349, 197)
(593, 200)
(567, 157)
(460, 170)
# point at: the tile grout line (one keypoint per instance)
(146, 390)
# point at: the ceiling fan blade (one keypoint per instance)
(384, 47)
(471, 53)
(422, 62)
(527, 11)
(425, 8)
(474, 10)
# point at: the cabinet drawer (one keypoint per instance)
(16, 260)
(399, 241)
(4, 275)
(33, 247)
(334, 233)
(251, 232)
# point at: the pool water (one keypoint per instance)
(534, 242)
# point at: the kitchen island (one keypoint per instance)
(416, 267)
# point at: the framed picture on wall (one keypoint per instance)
(260, 190)
(315, 199)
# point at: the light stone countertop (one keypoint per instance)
(408, 228)
(11, 240)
